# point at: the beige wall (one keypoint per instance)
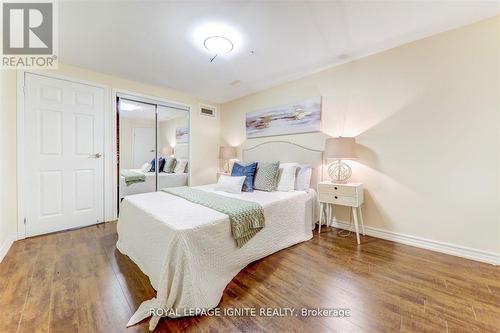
(8, 193)
(167, 136)
(426, 117)
(205, 135)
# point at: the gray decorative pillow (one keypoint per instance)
(169, 164)
(266, 176)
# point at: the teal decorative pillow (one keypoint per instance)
(266, 176)
(169, 164)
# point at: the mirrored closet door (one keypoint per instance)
(153, 145)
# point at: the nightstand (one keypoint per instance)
(350, 195)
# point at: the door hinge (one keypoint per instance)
(24, 89)
(25, 220)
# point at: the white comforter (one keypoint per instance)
(187, 250)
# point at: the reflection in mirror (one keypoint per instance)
(173, 146)
(151, 135)
(137, 147)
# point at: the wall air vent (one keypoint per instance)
(206, 110)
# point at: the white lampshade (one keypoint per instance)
(340, 148)
(227, 153)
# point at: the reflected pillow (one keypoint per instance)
(180, 166)
(245, 170)
(230, 184)
(169, 165)
(161, 163)
(145, 167)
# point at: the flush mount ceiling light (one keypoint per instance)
(218, 45)
(217, 38)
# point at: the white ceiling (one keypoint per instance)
(152, 41)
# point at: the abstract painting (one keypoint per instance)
(182, 135)
(301, 117)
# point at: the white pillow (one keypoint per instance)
(180, 166)
(287, 177)
(146, 167)
(303, 180)
(231, 184)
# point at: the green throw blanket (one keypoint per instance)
(132, 177)
(246, 218)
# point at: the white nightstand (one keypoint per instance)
(350, 194)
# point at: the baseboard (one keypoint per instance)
(452, 249)
(4, 248)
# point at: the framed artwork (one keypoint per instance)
(182, 135)
(295, 118)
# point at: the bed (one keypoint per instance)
(187, 250)
(164, 180)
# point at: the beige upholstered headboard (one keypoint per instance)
(284, 152)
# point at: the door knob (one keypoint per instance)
(97, 155)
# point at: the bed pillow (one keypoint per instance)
(303, 177)
(161, 164)
(245, 170)
(146, 167)
(180, 166)
(266, 176)
(231, 163)
(287, 176)
(230, 184)
(170, 163)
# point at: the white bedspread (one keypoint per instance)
(187, 250)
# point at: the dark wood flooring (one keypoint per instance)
(76, 281)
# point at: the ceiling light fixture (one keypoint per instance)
(125, 106)
(218, 45)
(218, 39)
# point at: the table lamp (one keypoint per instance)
(338, 149)
(167, 151)
(225, 154)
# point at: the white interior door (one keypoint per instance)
(143, 147)
(63, 165)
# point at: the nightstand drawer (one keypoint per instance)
(344, 200)
(337, 189)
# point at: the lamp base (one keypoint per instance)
(339, 172)
(226, 166)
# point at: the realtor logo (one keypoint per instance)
(28, 33)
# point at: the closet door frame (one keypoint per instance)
(126, 94)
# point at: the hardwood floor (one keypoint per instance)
(76, 281)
